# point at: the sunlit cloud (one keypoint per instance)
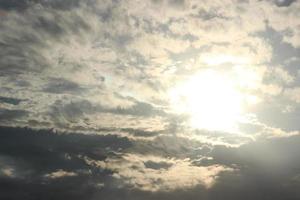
(216, 100)
(59, 174)
(159, 174)
(160, 99)
(210, 99)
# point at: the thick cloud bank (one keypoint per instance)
(43, 164)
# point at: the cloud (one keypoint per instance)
(24, 4)
(284, 3)
(93, 165)
(136, 171)
(88, 81)
(7, 167)
(59, 174)
(123, 63)
(61, 86)
(62, 57)
(279, 75)
(12, 101)
(270, 161)
(6, 116)
(293, 94)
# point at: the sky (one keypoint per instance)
(150, 99)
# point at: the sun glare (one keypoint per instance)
(211, 99)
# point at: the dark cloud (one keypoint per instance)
(170, 146)
(49, 146)
(157, 165)
(284, 3)
(30, 155)
(20, 5)
(62, 86)
(141, 133)
(13, 4)
(11, 115)
(9, 100)
(71, 112)
(59, 4)
(264, 169)
(253, 186)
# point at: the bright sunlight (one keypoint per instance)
(211, 99)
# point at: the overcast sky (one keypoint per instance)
(150, 99)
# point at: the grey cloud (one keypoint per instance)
(9, 100)
(75, 61)
(157, 165)
(177, 3)
(141, 133)
(33, 154)
(60, 86)
(254, 186)
(11, 115)
(12, 168)
(20, 5)
(69, 187)
(209, 15)
(282, 51)
(273, 157)
(23, 50)
(35, 57)
(76, 110)
(58, 4)
(48, 26)
(139, 109)
(62, 112)
(272, 113)
(263, 169)
(284, 3)
(266, 169)
(43, 151)
(13, 4)
(170, 146)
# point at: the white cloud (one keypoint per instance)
(60, 174)
(293, 94)
(280, 75)
(7, 172)
(113, 54)
(165, 174)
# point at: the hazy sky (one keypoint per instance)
(150, 99)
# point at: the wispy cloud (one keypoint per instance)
(88, 84)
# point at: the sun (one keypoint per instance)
(211, 99)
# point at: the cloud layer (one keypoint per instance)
(87, 59)
(86, 110)
(48, 165)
